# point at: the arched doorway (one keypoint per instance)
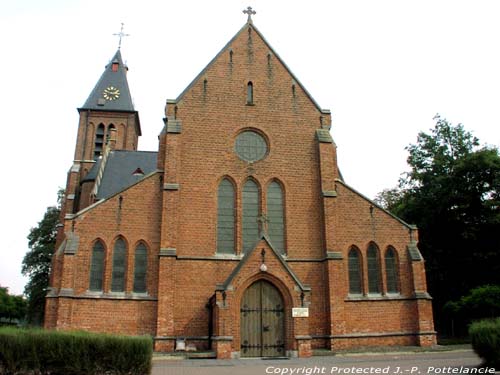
(262, 321)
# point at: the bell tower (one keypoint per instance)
(108, 121)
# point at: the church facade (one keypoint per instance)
(239, 235)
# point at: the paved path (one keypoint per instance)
(390, 363)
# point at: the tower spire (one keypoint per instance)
(112, 91)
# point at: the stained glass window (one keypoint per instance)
(140, 268)
(119, 261)
(373, 269)
(97, 267)
(250, 146)
(355, 279)
(225, 217)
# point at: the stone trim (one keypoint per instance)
(72, 242)
(170, 186)
(329, 194)
(174, 126)
(334, 255)
(235, 258)
(168, 252)
(422, 295)
(303, 337)
(173, 338)
(376, 334)
(51, 292)
(75, 168)
(294, 260)
(222, 338)
(381, 297)
(69, 293)
(324, 136)
(414, 252)
(66, 292)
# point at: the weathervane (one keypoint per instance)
(121, 35)
(250, 12)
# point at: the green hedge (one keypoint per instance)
(485, 337)
(54, 352)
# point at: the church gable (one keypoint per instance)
(363, 220)
(254, 263)
(246, 96)
(251, 70)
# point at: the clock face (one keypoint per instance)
(111, 93)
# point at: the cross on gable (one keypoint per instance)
(250, 12)
(120, 35)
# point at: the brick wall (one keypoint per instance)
(175, 213)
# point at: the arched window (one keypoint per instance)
(250, 93)
(355, 279)
(250, 224)
(225, 217)
(391, 271)
(373, 269)
(99, 141)
(276, 225)
(97, 267)
(140, 268)
(119, 261)
(108, 134)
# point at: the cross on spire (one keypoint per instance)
(250, 12)
(120, 35)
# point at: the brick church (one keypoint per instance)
(239, 235)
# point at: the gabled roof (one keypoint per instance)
(121, 168)
(223, 50)
(112, 77)
(246, 257)
(373, 203)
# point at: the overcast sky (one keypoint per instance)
(383, 67)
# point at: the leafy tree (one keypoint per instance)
(37, 262)
(452, 193)
(11, 307)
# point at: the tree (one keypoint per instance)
(37, 262)
(452, 193)
(12, 307)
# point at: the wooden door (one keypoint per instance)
(262, 321)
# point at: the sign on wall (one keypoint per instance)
(300, 312)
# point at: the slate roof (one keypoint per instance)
(119, 170)
(92, 174)
(117, 79)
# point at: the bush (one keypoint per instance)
(480, 303)
(485, 336)
(52, 352)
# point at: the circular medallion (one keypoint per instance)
(250, 146)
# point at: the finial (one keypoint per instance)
(250, 12)
(121, 35)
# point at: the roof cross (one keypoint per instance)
(250, 12)
(120, 35)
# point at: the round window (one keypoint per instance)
(250, 146)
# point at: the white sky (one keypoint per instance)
(383, 67)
